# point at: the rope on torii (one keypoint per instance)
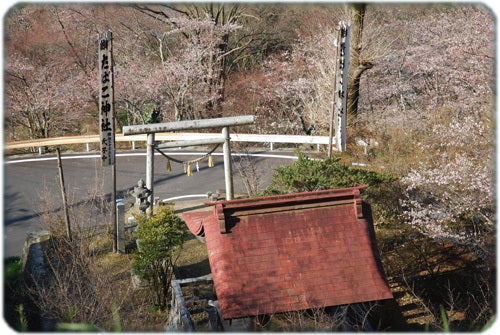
(188, 164)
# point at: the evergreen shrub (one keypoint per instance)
(160, 237)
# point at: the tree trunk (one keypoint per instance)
(357, 65)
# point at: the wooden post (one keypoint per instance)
(63, 193)
(107, 116)
(106, 99)
(150, 168)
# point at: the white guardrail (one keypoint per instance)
(270, 140)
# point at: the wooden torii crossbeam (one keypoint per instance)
(151, 129)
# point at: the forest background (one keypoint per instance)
(421, 92)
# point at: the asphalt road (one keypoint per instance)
(31, 185)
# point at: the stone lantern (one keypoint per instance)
(141, 193)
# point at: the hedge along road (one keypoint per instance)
(31, 185)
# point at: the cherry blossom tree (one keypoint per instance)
(195, 70)
(46, 91)
(301, 83)
(200, 45)
(39, 101)
(433, 104)
(441, 60)
(451, 197)
(177, 76)
(192, 72)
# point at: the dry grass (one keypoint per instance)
(136, 309)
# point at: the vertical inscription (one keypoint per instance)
(341, 86)
(106, 97)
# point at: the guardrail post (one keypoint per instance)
(228, 171)
(271, 146)
(88, 146)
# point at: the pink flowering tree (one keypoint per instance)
(189, 73)
(440, 61)
(139, 97)
(190, 50)
(430, 100)
(46, 90)
(300, 84)
(451, 196)
(281, 107)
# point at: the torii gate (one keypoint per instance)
(151, 129)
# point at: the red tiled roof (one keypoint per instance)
(291, 252)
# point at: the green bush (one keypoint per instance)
(160, 236)
(308, 174)
(12, 269)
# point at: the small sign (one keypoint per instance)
(106, 99)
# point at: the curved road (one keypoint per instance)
(31, 185)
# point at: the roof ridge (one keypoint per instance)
(283, 199)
